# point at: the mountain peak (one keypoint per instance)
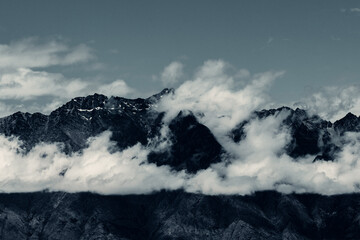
(350, 115)
(349, 123)
(163, 92)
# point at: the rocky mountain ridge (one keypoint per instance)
(174, 214)
(136, 120)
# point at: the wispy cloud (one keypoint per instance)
(25, 84)
(22, 80)
(332, 103)
(351, 10)
(31, 53)
(172, 73)
(354, 9)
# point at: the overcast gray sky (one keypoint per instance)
(67, 48)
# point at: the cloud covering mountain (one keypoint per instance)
(212, 103)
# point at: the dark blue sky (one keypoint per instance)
(317, 43)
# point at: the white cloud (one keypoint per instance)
(257, 163)
(261, 164)
(116, 88)
(215, 94)
(333, 103)
(172, 73)
(26, 84)
(19, 81)
(93, 170)
(30, 53)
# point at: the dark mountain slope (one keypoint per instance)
(178, 215)
(194, 146)
(310, 135)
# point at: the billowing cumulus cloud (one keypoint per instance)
(216, 96)
(96, 169)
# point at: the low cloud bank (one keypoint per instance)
(258, 162)
(95, 169)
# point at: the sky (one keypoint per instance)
(51, 51)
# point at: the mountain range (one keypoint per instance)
(174, 214)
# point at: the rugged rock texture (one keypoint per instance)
(194, 146)
(178, 215)
(130, 121)
(310, 134)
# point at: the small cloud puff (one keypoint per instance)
(172, 73)
(116, 88)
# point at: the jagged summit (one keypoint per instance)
(131, 121)
(73, 123)
(193, 146)
(98, 101)
(310, 134)
(349, 123)
(89, 102)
